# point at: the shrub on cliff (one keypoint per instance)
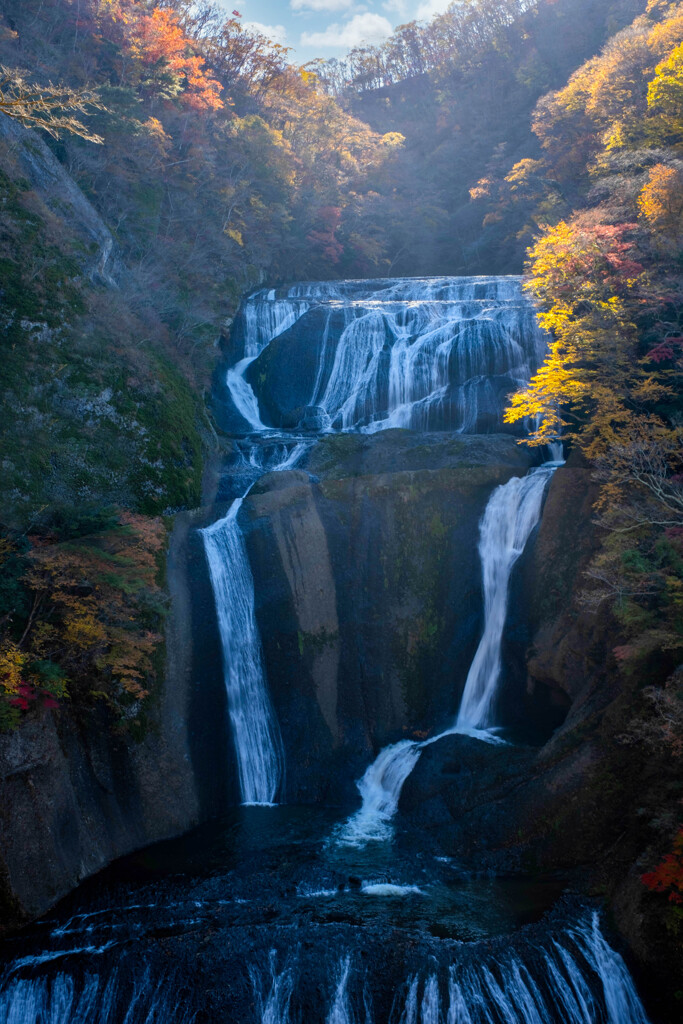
(85, 619)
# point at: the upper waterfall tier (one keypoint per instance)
(427, 354)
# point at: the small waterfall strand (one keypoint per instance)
(512, 512)
(255, 731)
(510, 516)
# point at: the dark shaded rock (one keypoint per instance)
(341, 455)
(463, 787)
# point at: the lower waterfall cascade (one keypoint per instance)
(254, 727)
(510, 516)
(276, 912)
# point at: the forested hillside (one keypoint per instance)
(208, 164)
(461, 89)
(607, 191)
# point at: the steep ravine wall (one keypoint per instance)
(76, 793)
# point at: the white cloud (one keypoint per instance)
(363, 28)
(321, 5)
(428, 8)
(278, 33)
(399, 7)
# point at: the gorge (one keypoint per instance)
(364, 583)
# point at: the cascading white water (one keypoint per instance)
(431, 1002)
(411, 1007)
(575, 978)
(243, 395)
(512, 512)
(380, 789)
(415, 353)
(274, 996)
(340, 1010)
(62, 1000)
(424, 363)
(266, 316)
(256, 734)
(583, 980)
(255, 731)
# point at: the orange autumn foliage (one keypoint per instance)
(96, 607)
(157, 41)
(667, 877)
(660, 202)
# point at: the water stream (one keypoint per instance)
(255, 730)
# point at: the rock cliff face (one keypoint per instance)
(567, 808)
(368, 589)
(64, 199)
(75, 793)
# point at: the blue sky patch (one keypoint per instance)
(328, 28)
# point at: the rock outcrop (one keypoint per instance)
(76, 792)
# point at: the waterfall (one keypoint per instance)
(425, 364)
(431, 1003)
(265, 317)
(581, 980)
(243, 395)
(273, 998)
(61, 999)
(340, 1011)
(255, 731)
(380, 789)
(512, 512)
(575, 977)
(424, 354)
(410, 1010)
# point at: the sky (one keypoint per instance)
(328, 28)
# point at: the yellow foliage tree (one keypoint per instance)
(660, 202)
(580, 274)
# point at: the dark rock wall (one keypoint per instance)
(76, 792)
